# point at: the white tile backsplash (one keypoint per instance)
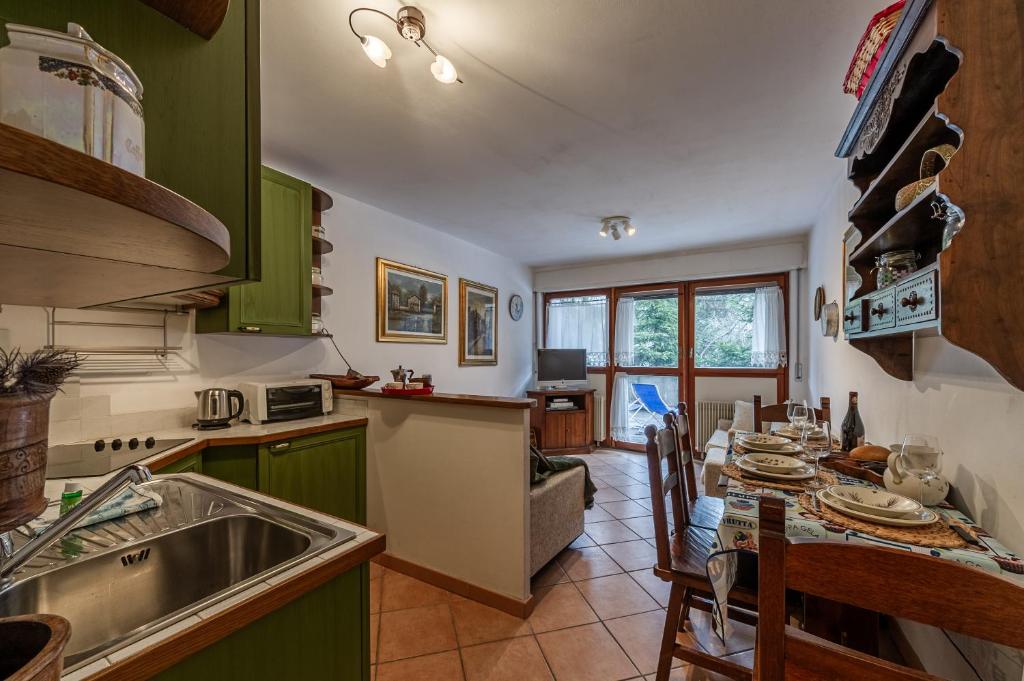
(95, 407)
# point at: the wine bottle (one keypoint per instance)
(852, 428)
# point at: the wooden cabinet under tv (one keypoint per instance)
(563, 431)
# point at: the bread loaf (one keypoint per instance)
(870, 453)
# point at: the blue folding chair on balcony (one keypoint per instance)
(648, 399)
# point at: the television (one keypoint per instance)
(560, 366)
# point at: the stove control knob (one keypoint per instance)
(99, 445)
(133, 443)
(116, 444)
(150, 442)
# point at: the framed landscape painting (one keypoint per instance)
(412, 304)
(478, 323)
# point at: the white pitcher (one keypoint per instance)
(898, 480)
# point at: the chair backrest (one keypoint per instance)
(650, 396)
(911, 586)
(671, 472)
(776, 413)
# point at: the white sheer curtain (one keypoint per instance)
(768, 348)
(621, 398)
(625, 322)
(579, 323)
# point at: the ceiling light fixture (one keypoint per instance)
(616, 225)
(412, 26)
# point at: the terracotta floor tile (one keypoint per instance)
(640, 636)
(558, 607)
(438, 667)
(401, 591)
(517, 659)
(587, 563)
(646, 503)
(653, 585)
(618, 479)
(625, 509)
(643, 525)
(582, 541)
(375, 593)
(596, 515)
(609, 494)
(599, 483)
(374, 637)
(609, 531)
(694, 673)
(416, 631)
(636, 491)
(599, 469)
(616, 596)
(587, 653)
(633, 555)
(476, 623)
(700, 628)
(552, 573)
(376, 570)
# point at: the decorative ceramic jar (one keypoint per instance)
(67, 88)
(898, 480)
(318, 276)
(24, 422)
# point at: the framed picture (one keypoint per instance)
(412, 304)
(478, 323)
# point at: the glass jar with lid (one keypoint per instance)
(892, 266)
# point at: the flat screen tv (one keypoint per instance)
(561, 365)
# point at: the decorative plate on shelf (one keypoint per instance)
(515, 307)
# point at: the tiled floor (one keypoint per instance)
(598, 616)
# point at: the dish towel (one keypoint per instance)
(132, 499)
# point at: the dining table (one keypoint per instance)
(737, 533)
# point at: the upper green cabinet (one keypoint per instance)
(280, 303)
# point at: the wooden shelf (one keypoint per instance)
(202, 17)
(322, 201)
(60, 208)
(913, 227)
(321, 290)
(877, 201)
(322, 246)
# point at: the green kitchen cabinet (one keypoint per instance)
(323, 634)
(236, 464)
(325, 472)
(190, 464)
(281, 302)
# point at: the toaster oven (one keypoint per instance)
(286, 400)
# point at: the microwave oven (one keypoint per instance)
(286, 400)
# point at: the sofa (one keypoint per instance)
(556, 515)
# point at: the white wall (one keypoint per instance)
(978, 417)
(360, 233)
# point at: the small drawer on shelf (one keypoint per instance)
(881, 310)
(853, 317)
(916, 300)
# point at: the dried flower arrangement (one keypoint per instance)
(35, 374)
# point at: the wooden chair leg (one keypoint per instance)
(672, 624)
(685, 614)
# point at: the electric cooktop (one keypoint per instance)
(103, 456)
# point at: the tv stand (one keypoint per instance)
(563, 431)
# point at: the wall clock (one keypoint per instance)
(515, 307)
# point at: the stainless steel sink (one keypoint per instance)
(120, 580)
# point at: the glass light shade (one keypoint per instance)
(377, 50)
(603, 231)
(443, 70)
(630, 229)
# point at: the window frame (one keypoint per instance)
(556, 295)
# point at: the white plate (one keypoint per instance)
(762, 442)
(789, 448)
(804, 473)
(874, 501)
(770, 462)
(922, 517)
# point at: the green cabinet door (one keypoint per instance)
(324, 472)
(281, 302)
(190, 464)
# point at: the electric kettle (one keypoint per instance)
(214, 409)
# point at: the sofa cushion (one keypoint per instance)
(556, 515)
(743, 416)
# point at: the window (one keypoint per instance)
(647, 330)
(739, 328)
(579, 322)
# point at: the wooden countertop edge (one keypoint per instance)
(447, 398)
(170, 651)
(199, 444)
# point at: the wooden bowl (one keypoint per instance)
(32, 647)
(343, 382)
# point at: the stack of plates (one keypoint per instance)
(876, 505)
(757, 442)
(774, 466)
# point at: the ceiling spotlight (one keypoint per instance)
(615, 233)
(630, 229)
(412, 26)
(616, 225)
(604, 230)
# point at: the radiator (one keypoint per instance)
(708, 414)
(599, 417)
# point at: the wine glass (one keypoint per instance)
(809, 424)
(798, 417)
(921, 457)
(790, 405)
(819, 450)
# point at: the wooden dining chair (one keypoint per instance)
(894, 582)
(683, 553)
(776, 413)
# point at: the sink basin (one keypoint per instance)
(118, 580)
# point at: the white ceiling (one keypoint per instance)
(710, 122)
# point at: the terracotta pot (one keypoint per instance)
(24, 422)
(32, 647)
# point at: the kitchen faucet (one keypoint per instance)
(11, 559)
